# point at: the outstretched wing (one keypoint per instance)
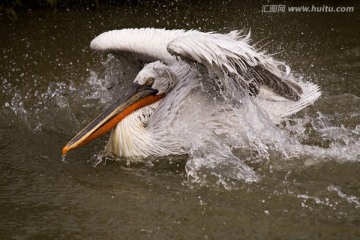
(145, 44)
(232, 54)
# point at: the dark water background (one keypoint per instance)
(52, 84)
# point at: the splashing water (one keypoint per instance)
(349, 198)
(245, 134)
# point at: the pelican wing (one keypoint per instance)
(232, 54)
(146, 44)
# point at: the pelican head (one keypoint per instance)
(159, 75)
(152, 84)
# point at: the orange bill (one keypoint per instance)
(137, 97)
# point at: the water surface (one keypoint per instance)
(52, 84)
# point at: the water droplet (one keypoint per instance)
(7, 104)
(63, 158)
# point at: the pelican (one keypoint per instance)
(198, 93)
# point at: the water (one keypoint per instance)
(53, 84)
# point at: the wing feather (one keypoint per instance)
(232, 54)
(146, 44)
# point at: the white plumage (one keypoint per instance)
(220, 94)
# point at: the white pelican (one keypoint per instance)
(189, 94)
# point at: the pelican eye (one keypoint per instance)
(149, 82)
